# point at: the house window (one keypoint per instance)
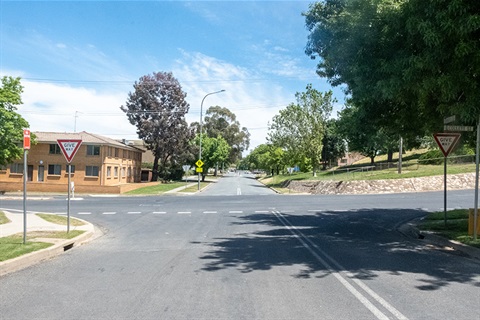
(72, 168)
(129, 172)
(116, 152)
(93, 150)
(115, 172)
(55, 149)
(91, 171)
(109, 171)
(123, 172)
(54, 169)
(16, 168)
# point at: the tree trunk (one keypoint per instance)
(390, 156)
(155, 168)
(372, 160)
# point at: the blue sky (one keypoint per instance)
(79, 60)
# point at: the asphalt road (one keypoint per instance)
(240, 251)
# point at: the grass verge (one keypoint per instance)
(157, 189)
(3, 218)
(13, 247)
(386, 174)
(456, 227)
(61, 220)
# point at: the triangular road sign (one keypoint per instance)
(69, 148)
(446, 141)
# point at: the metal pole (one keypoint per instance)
(445, 190)
(400, 156)
(201, 129)
(68, 199)
(475, 214)
(25, 178)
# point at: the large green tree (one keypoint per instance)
(11, 123)
(157, 107)
(407, 63)
(222, 122)
(300, 127)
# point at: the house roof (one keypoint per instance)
(86, 137)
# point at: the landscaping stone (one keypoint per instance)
(434, 183)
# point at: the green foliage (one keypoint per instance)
(11, 123)
(434, 156)
(299, 128)
(406, 63)
(222, 122)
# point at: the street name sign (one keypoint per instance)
(69, 147)
(457, 128)
(449, 119)
(446, 141)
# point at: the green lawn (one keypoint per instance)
(12, 246)
(3, 218)
(455, 229)
(157, 189)
(61, 220)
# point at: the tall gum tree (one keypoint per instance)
(157, 107)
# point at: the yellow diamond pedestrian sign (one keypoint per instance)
(199, 163)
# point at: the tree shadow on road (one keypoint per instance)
(363, 243)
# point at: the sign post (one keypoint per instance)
(69, 149)
(26, 147)
(199, 170)
(185, 168)
(446, 142)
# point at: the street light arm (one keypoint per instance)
(201, 129)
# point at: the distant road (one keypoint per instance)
(236, 184)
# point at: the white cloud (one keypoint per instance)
(61, 108)
(248, 95)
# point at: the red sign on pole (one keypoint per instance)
(446, 141)
(26, 139)
(69, 148)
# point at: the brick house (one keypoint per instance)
(101, 165)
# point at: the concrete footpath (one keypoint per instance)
(35, 223)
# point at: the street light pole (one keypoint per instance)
(201, 129)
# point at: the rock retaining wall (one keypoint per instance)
(434, 183)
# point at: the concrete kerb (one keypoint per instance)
(410, 230)
(59, 246)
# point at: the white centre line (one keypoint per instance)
(210, 211)
(262, 211)
(184, 212)
(235, 211)
(109, 213)
(159, 212)
(342, 276)
(133, 212)
(84, 213)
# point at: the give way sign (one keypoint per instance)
(69, 147)
(446, 141)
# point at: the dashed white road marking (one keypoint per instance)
(184, 212)
(159, 212)
(84, 213)
(262, 211)
(133, 212)
(210, 211)
(235, 211)
(109, 213)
